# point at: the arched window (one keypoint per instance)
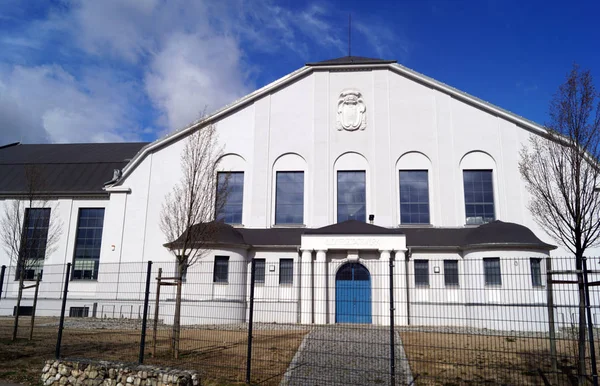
(351, 187)
(414, 173)
(230, 201)
(289, 192)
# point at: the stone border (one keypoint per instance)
(82, 372)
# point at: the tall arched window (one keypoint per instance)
(478, 172)
(230, 201)
(414, 171)
(289, 192)
(351, 187)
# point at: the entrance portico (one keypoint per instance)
(328, 249)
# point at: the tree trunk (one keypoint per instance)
(35, 297)
(19, 297)
(581, 368)
(177, 316)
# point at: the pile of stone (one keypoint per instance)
(97, 373)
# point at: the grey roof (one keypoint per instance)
(349, 60)
(494, 234)
(66, 168)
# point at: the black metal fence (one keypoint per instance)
(340, 320)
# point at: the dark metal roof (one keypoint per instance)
(349, 60)
(66, 168)
(494, 234)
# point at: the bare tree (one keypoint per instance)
(562, 176)
(29, 233)
(188, 212)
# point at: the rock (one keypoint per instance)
(72, 380)
(93, 374)
(129, 380)
(137, 381)
(63, 370)
(55, 364)
(75, 373)
(144, 375)
(49, 381)
(111, 373)
(120, 384)
(52, 371)
(46, 368)
(63, 381)
(57, 377)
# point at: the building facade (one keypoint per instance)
(335, 170)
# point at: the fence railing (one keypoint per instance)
(508, 320)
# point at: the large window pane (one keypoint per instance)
(451, 273)
(536, 272)
(351, 196)
(286, 271)
(87, 243)
(231, 209)
(33, 244)
(479, 196)
(289, 198)
(491, 270)
(221, 269)
(421, 272)
(414, 197)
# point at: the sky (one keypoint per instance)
(135, 70)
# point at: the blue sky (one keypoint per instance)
(113, 70)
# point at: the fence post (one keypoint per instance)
(392, 333)
(61, 324)
(156, 305)
(551, 323)
(2, 272)
(35, 298)
(145, 317)
(590, 325)
(250, 320)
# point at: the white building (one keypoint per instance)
(416, 166)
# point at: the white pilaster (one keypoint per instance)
(321, 287)
(384, 309)
(306, 291)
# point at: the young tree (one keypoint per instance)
(29, 232)
(188, 212)
(562, 175)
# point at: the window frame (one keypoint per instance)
(481, 203)
(421, 284)
(257, 280)
(451, 285)
(486, 268)
(221, 260)
(426, 171)
(539, 272)
(276, 196)
(290, 281)
(217, 213)
(96, 262)
(337, 194)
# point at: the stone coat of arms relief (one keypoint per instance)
(351, 111)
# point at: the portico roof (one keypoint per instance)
(496, 234)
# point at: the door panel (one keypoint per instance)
(353, 294)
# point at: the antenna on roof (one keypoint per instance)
(349, 34)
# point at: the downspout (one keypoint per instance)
(406, 276)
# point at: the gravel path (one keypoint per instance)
(346, 355)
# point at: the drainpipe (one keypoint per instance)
(406, 275)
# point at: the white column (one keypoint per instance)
(384, 309)
(306, 285)
(400, 287)
(321, 287)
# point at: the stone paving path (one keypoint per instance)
(347, 355)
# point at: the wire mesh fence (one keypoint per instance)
(323, 320)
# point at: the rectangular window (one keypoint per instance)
(221, 269)
(259, 271)
(33, 243)
(451, 273)
(79, 312)
(479, 196)
(88, 241)
(491, 270)
(414, 197)
(230, 197)
(421, 272)
(289, 198)
(286, 271)
(351, 196)
(536, 272)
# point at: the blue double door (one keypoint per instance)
(353, 294)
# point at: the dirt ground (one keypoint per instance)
(454, 359)
(219, 355)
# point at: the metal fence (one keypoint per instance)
(508, 320)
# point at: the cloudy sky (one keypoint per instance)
(131, 70)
